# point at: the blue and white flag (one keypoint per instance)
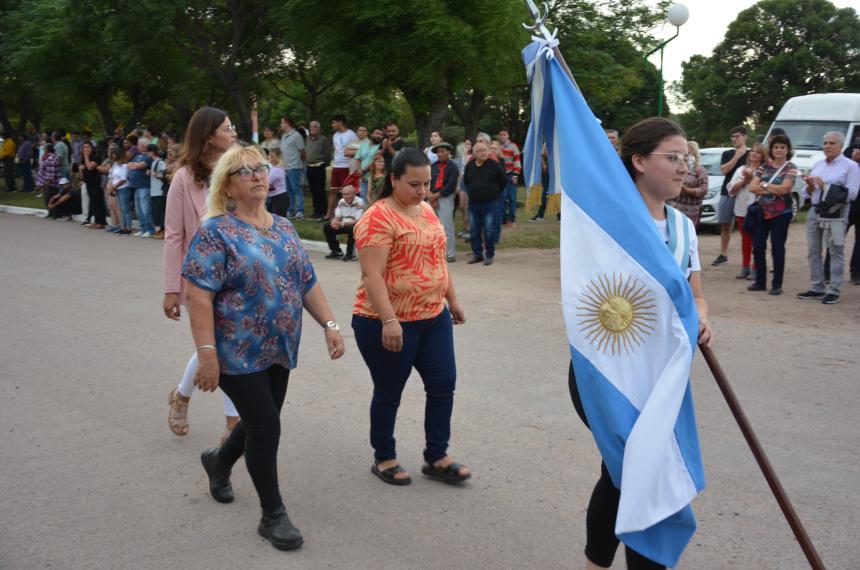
(630, 316)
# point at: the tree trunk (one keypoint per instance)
(428, 112)
(242, 103)
(102, 100)
(4, 119)
(470, 115)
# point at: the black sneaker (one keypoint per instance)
(810, 295)
(349, 257)
(276, 527)
(476, 259)
(720, 260)
(536, 219)
(775, 291)
(334, 255)
(488, 261)
(830, 299)
(755, 287)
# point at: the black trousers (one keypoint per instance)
(316, 183)
(97, 209)
(258, 398)
(9, 173)
(331, 237)
(159, 204)
(279, 204)
(601, 542)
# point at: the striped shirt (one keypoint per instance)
(511, 158)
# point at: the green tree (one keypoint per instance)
(773, 51)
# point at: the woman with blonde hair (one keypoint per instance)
(209, 134)
(695, 185)
(249, 280)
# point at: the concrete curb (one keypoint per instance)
(309, 245)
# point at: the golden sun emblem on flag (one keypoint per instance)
(617, 313)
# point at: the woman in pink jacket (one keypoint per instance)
(210, 133)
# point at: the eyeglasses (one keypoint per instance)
(246, 172)
(230, 128)
(676, 158)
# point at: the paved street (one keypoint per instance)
(91, 477)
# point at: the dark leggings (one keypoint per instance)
(601, 542)
(258, 398)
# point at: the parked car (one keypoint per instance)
(710, 205)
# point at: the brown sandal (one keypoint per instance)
(177, 418)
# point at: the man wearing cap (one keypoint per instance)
(444, 177)
(65, 202)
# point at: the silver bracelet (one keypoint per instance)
(202, 346)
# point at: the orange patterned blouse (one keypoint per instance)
(416, 274)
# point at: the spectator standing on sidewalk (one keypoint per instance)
(318, 156)
(827, 229)
(341, 139)
(510, 158)
(444, 177)
(8, 151)
(694, 187)
(25, 162)
(138, 180)
(730, 161)
(292, 155)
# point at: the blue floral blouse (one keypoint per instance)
(259, 278)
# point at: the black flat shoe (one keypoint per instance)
(476, 259)
(276, 527)
(219, 476)
(388, 475)
(755, 287)
(449, 474)
(775, 291)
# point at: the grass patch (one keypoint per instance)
(23, 199)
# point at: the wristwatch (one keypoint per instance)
(331, 325)
(765, 185)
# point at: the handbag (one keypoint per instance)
(773, 206)
(753, 217)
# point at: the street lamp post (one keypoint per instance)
(677, 16)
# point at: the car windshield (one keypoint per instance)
(808, 134)
(711, 162)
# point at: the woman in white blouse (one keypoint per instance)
(739, 188)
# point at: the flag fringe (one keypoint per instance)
(553, 204)
(533, 197)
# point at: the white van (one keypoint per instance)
(807, 118)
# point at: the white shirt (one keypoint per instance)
(349, 212)
(341, 141)
(118, 173)
(840, 170)
(156, 185)
(695, 265)
(743, 197)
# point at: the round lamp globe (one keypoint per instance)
(678, 14)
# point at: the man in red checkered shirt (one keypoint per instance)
(513, 167)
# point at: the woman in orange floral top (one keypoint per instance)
(401, 319)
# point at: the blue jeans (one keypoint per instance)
(125, 197)
(143, 207)
(294, 188)
(483, 225)
(362, 189)
(428, 346)
(509, 202)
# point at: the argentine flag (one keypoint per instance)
(630, 316)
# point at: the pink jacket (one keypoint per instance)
(186, 206)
